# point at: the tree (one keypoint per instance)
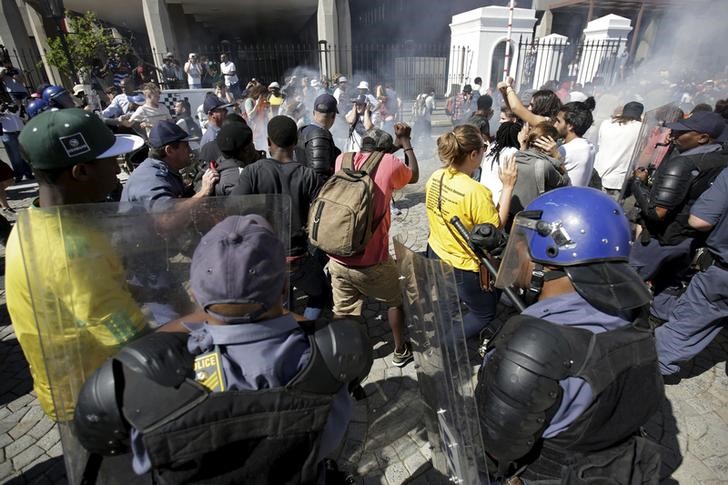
(88, 41)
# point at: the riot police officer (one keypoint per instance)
(315, 146)
(248, 396)
(698, 315)
(566, 385)
(677, 183)
(57, 97)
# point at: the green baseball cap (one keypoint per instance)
(62, 138)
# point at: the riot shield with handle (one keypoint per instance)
(653, 143)
(93, 285)
(444, 373)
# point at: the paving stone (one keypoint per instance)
(6, 470)
(48, 440)
(56, 450)
(27, 456)
(41, 428)
(414, 461)
(406, 447)
(392, 372)
(18, 446)
(396, 473)
(21, 429)
(5, 439)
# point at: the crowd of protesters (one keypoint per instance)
(293, 136)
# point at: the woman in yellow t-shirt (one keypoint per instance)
(451, 191)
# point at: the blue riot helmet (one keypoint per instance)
(36, 107)
(58, 97)
(579, 232)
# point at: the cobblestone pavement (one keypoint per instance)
(386, 441)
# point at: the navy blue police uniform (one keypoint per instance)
(699, 314)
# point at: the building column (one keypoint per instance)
(14, 36)
(328, 30)
(38, 27)
(182, 32)
(544, 27)
(344, 42)
(159, 29)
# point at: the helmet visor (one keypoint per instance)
(515, 267)
(515, 270)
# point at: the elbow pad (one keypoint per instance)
(672, 182)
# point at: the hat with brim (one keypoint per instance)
(63, 138)
(213, 103)
(363, 85)
(123, 144)
(706, 122)
(166, 132)
(240, 261)
(379, 140)
(723, 136)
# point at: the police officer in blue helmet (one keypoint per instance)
(57, 97)
(36, 107)
(567, 384)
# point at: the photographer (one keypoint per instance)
(360, 122)
(12, 125)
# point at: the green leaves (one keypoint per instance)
(88, 41)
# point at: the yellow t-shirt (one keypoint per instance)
(463, 197)
(72, 308)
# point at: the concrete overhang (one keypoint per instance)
(233, 17)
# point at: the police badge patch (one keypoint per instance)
(208, 371)
(74, 145)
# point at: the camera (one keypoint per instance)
(11, 107)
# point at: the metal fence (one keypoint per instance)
(556, 59)
(409, 68)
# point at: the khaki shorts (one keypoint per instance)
(351, 285)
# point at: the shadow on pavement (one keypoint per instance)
(49, 471)
(713, 354)
(15, 380)
(662, 429)
(410, 200)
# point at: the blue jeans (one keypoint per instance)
(481, 305)
(12, 147)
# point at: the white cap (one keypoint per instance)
(274, 85)
(363, 85)
(315, 83)
(342, 79)
(78, 88)
(577, 96)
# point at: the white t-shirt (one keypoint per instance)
(194, 73)
(615, 146)
(578, 156)
(489, 174)
(228, 67)
(151, 116)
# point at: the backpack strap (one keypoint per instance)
(372, 162)
(540, 169)
(348, 161)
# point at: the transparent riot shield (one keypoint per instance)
(101, 275)
(444, 373)
(653, 142)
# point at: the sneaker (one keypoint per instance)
(401, 359)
